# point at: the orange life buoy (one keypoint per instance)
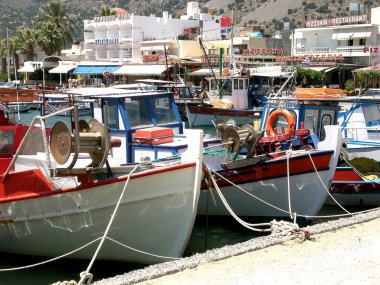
(274, 116)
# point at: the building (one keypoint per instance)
(336, 46)
(119, 37)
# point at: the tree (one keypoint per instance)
(56, 16)
(107, 11)
(50, 40)
(29, 40)
(308, 75)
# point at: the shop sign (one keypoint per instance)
(104, 42)
(262, 51)
(371, 49)
(151, 58)
(310, 58)
(337, 21)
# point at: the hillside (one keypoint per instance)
(265, 14)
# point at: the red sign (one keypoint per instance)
(310, 58)
(336, 21)
(106, 73)
(262, 51)
(151, 58)
(371, 49)
(225, 22)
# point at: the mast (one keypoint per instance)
(232, 59)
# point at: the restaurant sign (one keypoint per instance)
(104, 42)
(337, 21)
(262, 51)
(310, 58)
(371, 50)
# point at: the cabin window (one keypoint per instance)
(138, 113)
(163, 111)
(241, 84)
(227, 87)
(326, 120)
(311, 122)
(112, 115)
(6, 142)
(371, 114)
(236, 82)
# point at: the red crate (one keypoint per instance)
(154, 135)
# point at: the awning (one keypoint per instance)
(144, 69)
(330, 69)
(361, 35)
(298, 35)
(27, 68)
(82, 70)
(316, 68)
(342, 36)
(94, 69)
(203, 71)
(148, 48)
(62, 68)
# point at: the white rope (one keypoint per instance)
(229, 209)
(325, 187)
(49, 260)
(84, 276)
(288, 180)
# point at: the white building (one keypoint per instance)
(350, 40)
(118, 37)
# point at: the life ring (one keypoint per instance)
(274, 116)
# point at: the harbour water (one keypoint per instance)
(207, 234)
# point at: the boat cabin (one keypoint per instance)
(148, 124)
(310, 115)
(232, 88)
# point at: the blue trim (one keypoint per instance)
(94, 69)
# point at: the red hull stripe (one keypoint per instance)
(275, 169)
(32, 184)
(222, 112)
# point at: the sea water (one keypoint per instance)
(208, 233)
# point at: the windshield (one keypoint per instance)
(372, 92)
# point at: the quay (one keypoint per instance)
(342, 251)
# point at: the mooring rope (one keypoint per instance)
(85, 275)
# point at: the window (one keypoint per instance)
(236, 82)
(138, 113)
(163, 110)
(241, 84)
(6, 142)
(362, 42)
(326, 120)
(112, 115)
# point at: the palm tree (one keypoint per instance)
(3, 56)
(50, 38)
(29, 40)
(15, 48)
(106, 11)
(56, 15)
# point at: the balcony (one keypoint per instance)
(346, 51)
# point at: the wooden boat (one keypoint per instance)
(351, 189)
(50, 204)
(282, 178)
(319, 93)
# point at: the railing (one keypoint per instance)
(344, 50)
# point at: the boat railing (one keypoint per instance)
(361, 133)
(41, 121)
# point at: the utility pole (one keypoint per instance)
(8, 63)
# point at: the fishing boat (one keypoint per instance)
(350, 188)
(273, 175)
(358, 118)
(58, 195)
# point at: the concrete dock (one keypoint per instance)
(344, 251)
